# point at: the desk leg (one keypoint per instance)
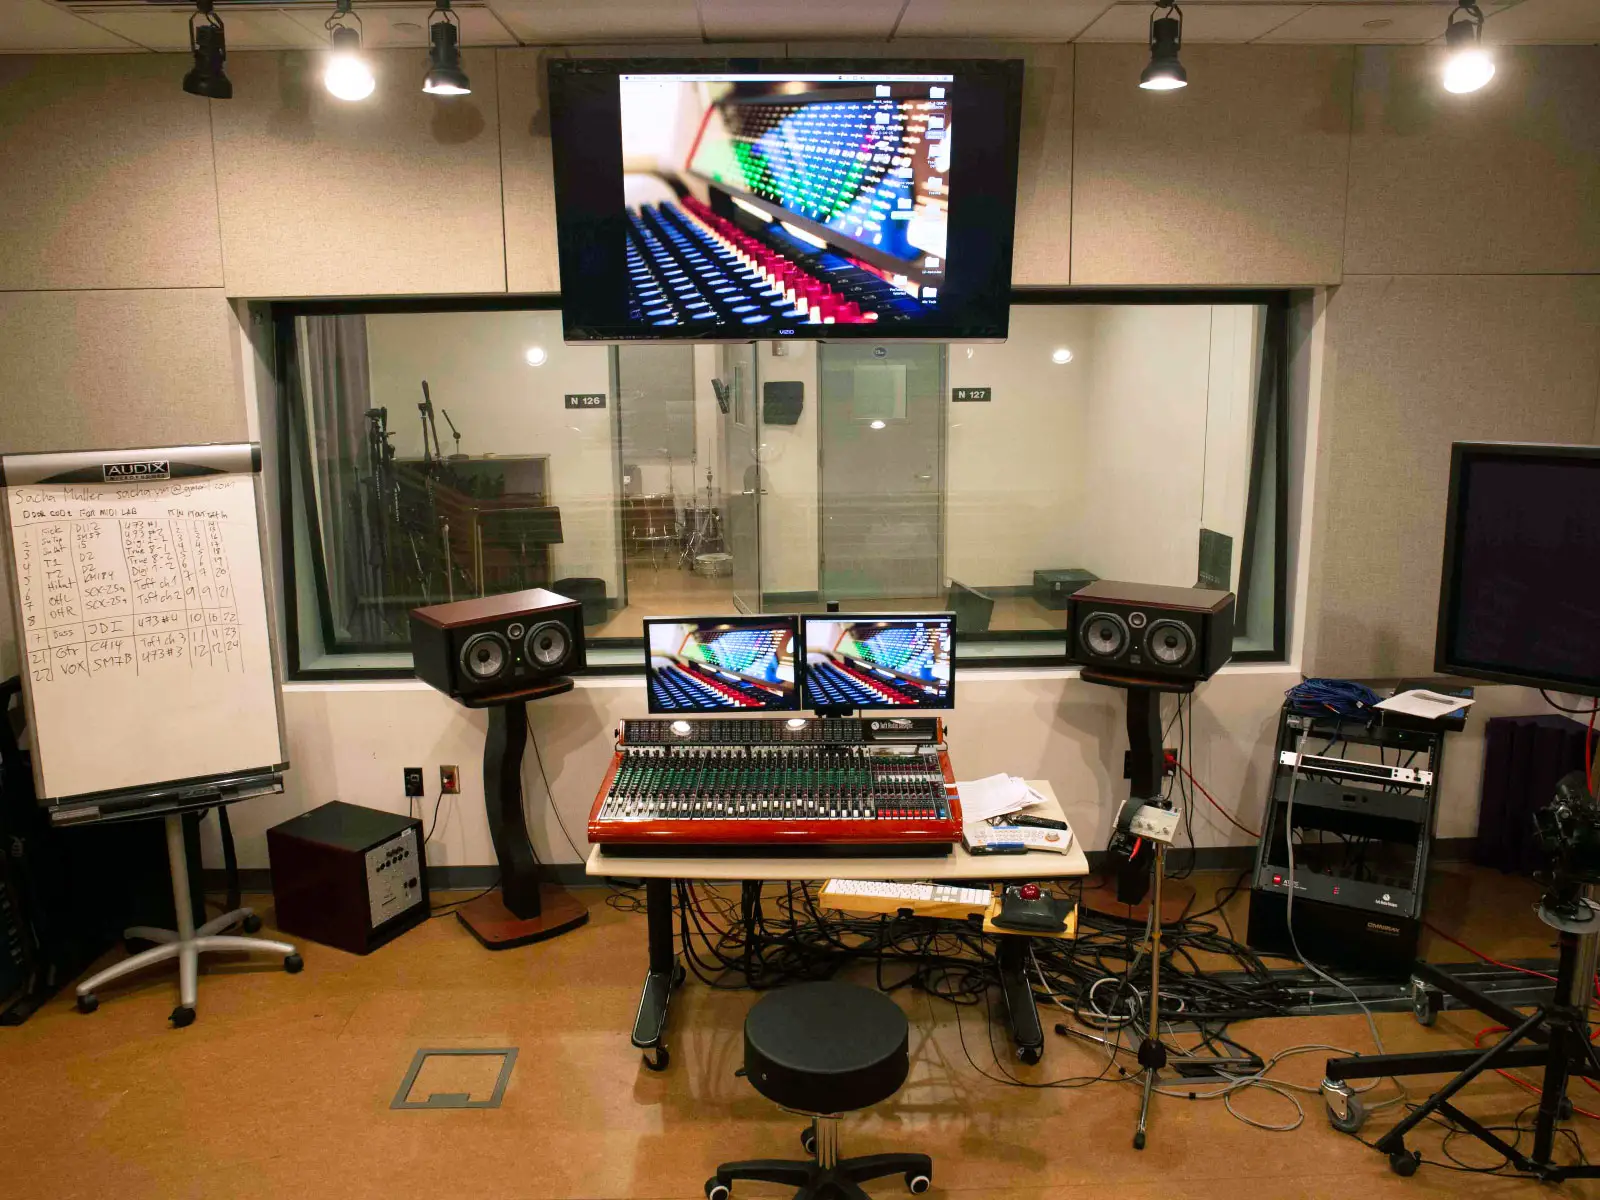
(665, 974)
(1021, 1010)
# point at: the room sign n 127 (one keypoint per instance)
(586, 399)
(983, 395)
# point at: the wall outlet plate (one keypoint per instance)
(1157, 824)
(413, 781)
(449, 780)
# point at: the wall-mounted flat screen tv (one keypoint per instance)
(733, 200)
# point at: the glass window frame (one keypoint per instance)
(1271, 439)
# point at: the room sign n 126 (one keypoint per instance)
(586, 399)
(983, 395)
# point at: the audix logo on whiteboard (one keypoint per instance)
(159, 468)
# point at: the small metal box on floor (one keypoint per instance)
(347, 876)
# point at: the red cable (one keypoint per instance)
(1214, 804)
(1528, 1083)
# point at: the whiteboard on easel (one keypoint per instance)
(140, 598)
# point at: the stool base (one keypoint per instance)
(824, 1176)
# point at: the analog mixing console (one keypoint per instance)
(876, 786)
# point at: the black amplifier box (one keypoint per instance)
(348, 876)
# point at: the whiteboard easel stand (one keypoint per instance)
(97, 479)
(186, 943)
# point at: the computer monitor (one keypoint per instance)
(721, 664)
(898, 660)
(1520, 594)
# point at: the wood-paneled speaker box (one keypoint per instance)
(497, 645)
(349, 877)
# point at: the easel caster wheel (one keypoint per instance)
(1423, 1005)
(1564, 1109)
(251, 924)
(1404, 1163)
(1138, 1140)
(659, 1062)
(679, 974)
(717, 1190)
(1030, 1054)
(182, 1016)
(88, 1002)
(808, 1141)
(294, 964)
(1351, 1119)
(917, 1184)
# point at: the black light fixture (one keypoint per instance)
(347, 75)
(445, 76)
(210, 48)
(1165, 72)
(1467, 65)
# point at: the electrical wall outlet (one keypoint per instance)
(449, 780)
(413, 781)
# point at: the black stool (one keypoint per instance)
(822, 1050)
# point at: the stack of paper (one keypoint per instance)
(995, 796)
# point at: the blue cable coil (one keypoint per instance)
(1343, 697)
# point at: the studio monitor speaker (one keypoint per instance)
(497, 645)
(1150, 631)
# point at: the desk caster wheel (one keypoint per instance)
(717, 1190)
(1425, 1003)
(808, 1141)
(88, 1002)
(294, 964)
(182, 1016)
(1138, 1139)
(917, 1184)
(1404, 1163)
(1030, 1054)
(679, 974)
(251, 924)
(1349, 1116)
(659, 1062)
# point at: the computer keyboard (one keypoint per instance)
(872, 895)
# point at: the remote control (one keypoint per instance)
(1031, 822)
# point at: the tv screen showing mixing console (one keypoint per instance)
(713, 201)
(897, 661)
(721, 664)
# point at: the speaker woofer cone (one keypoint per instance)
(1104, 635)
(1169, 643)
(485, 656)
(548, 644)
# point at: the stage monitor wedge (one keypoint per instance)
(1519, 600)
(743, 199)
(723, 665)
(883, 660)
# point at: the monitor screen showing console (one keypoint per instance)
(721, 664)
(892, 661)
(717, 199)
(1520, 601)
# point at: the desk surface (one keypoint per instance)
(958, 864)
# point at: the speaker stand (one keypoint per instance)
(523, 910)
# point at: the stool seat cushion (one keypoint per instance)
(826, 1047)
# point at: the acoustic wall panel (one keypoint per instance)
(529, 197)
(84, 370)
(1237, 179)
(1502, 180)
(1413, 364)
(107, 179)
(393, 195)
(1043, 250)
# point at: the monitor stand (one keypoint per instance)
(522, 909)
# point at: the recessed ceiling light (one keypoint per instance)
(1061, 356)
(1377, 23)
(535, 356)
(877, 425)
(410, 27)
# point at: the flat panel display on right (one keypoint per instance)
(1520, 600)
(898, 660)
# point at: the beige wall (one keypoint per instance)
(1462, 238)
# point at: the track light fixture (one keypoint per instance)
(348, 76)
(210, 48)
(445, 76)
(1467, 65)
(1165, 72)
